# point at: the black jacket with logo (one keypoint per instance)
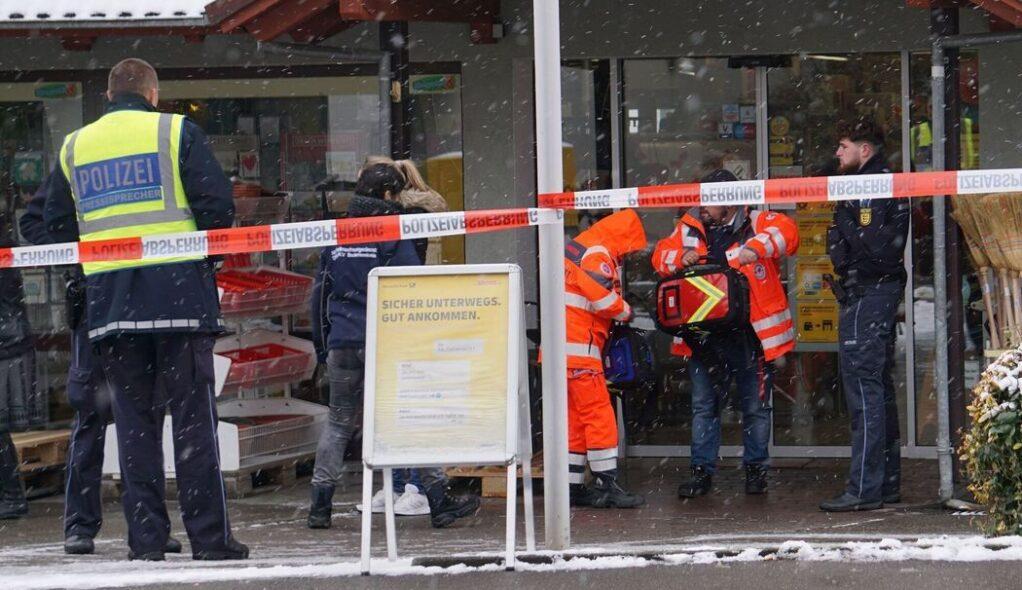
(867, 242)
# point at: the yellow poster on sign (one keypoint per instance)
(809, 273)
(441, 381)
(816, 322)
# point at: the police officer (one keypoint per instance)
(867, 245)
(138, 172)
(88, 394)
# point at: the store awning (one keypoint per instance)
(94, 12)
(310, 21)
(78, 23)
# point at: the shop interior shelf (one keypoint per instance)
(259, 210)
(262, 291)
(261, 358)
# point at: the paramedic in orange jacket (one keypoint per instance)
(592, 294)
(754, 242)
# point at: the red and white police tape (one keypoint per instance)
(794, 190)
(283, 236)
(314, 234)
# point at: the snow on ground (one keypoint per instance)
(92, 572)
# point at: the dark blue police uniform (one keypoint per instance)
(139, 351)
(867, 244)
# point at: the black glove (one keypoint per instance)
(74, 299)
(839, 292)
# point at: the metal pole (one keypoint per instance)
(547, 38)
(940, 309)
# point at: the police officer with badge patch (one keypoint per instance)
(866, 242)
(139, 172)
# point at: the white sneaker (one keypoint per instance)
(411, 503)
(379, 503)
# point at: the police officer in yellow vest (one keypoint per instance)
(138, 172)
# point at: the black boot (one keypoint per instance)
(580, 495)
(608, 493)
(172, 546)
(79, 545)
(233, 550)
(444, 508)
(13, 503)
(848, 503)
(321, 508)
(699, 485)
(755, 479)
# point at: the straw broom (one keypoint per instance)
(963, 214)
(994, 220)
(1014, 249)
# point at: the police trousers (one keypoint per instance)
(866, 332)
(182, 364)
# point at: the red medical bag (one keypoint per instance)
(702, 299)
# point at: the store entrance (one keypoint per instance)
(681, 118)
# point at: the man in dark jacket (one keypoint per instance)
(17, 379)
(88, 394)
(339, 330)
(137, 172)
(867, 248)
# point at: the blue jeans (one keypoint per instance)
(403, 476)
(713, 366)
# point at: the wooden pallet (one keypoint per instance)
(41, 450)
(494, 477)
(241, 483)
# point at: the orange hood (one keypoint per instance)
(620, 233)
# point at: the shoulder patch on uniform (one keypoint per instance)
(606, 269)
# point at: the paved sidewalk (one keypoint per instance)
(273, 523)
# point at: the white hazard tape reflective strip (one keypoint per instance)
(282, 236)
(795, 190)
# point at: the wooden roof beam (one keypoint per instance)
(461, 11)
(285, 16)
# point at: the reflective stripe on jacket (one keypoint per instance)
(772, 236)
(125, 178)
(592, 290)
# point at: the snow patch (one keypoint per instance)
(82, 574)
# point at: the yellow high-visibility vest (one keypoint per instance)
(125, 178)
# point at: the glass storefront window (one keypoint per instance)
(805, 103)
(437, 145)
(682, 119)
(34, 119)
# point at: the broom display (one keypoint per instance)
(997, 214)
(964, 215)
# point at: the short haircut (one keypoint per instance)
(132, 75)
(862, 129)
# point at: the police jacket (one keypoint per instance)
(866, 239)
(173, 297)
(592, 287)
(770, 234)
(340, 289)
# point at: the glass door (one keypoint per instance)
(805, 103)
(681, 119)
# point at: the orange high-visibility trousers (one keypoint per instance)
(592, 426)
